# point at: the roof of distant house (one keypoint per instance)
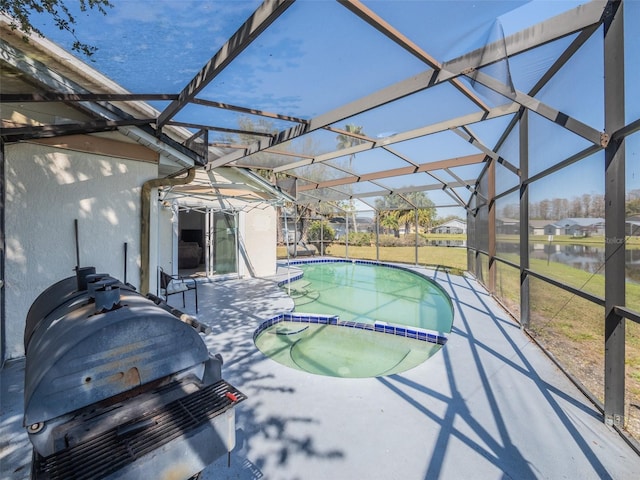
(583, 222)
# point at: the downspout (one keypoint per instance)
(147, 187)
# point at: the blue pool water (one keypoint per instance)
(365, 320)
(370, 292)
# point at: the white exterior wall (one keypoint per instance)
(258, 229)
(46, 189)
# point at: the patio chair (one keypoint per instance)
(172, 284)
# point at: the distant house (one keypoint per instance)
(452, 226)
(553, 229)
(632, 225)
(581, 227)
(575, 227)
(536, 227)
(507, 226)
(363, 224)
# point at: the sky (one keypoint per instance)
(318, 56)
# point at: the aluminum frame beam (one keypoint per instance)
(83, 97)
(550, 113)
(424, 167)
(251, 111)
(264, 16)
(468, 136)
(557, 27)
(396, 36)
(17, 134)
(218, 129)
(381, 97)
(404, 136)
(44, 77)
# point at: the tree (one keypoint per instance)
(575, 208)
(347, 141)
(559, 208)
(586, 205)
(511, 210)
(395, 210)
(20, 12)
(389, 221)
(597, 206)
(320, 232)
(632, 207)
(545, 209)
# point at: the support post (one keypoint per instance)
(236, 231)
(416, 239)
(378, 237)
(614, 357)
(208, 241)
(491, 227)
(524, 219)
(346, 234)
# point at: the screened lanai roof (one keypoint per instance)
(358, 100)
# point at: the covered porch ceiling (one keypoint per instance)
(388, 100)
(236, 190)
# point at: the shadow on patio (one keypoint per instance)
(490, 404)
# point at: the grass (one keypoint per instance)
(569, 327)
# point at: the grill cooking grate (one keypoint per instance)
(120, 446)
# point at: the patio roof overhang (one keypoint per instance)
(235, 189)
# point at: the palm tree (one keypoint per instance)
(347, 141)
(388, 219)
(394, 211)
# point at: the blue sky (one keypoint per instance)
(318, 56)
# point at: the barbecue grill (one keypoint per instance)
(121, 386)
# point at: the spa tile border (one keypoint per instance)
(379, 327)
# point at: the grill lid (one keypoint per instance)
(86, 357)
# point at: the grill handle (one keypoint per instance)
(188, 319)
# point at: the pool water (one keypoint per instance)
(342, 352)
(397, 319)
(368, 293)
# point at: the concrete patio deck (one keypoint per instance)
(489, 405)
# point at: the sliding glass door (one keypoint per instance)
(224, 251)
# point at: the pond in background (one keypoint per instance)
(583, 257)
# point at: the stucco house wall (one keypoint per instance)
(47, 188)
(258, 230)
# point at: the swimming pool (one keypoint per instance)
(361, 319)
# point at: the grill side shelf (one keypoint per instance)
(114, 449)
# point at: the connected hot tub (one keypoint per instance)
(358, 319)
